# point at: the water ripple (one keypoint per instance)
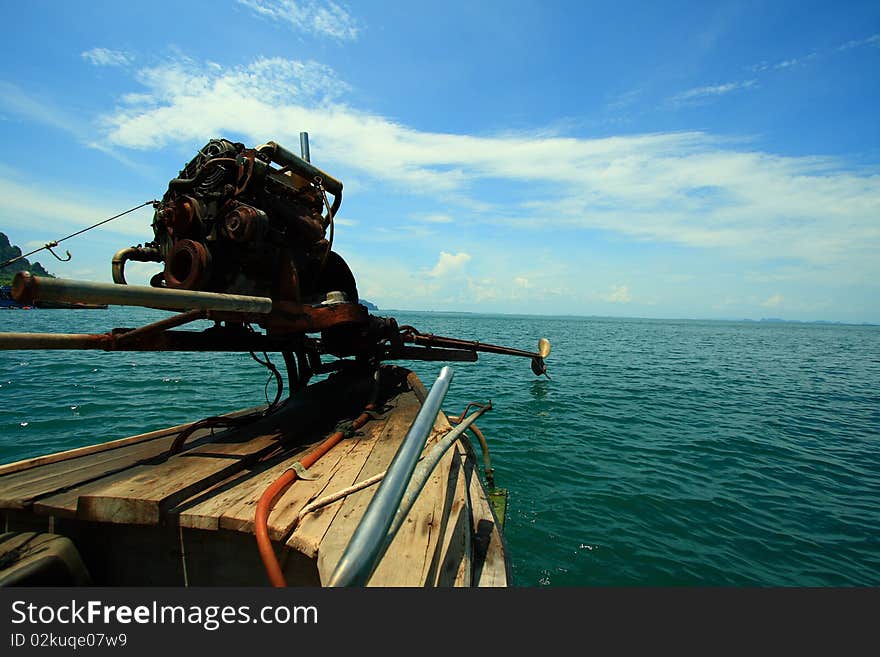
(660, 453)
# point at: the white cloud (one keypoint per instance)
(106, 57)
(685, 188)
(187, 102)
(319, 18)
(618, 294)
(449, 263)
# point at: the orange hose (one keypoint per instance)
(276, 490)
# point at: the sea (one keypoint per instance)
(657, 453)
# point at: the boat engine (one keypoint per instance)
(245, 236)
(232, 222)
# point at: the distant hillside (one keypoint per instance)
(368, 304)
(8, 251)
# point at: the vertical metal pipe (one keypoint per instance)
(304, 146)
(364, 550)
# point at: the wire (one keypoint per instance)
(51, 245)
(269, 365)
(220, 421)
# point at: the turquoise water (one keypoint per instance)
(662, 452)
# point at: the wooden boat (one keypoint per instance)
(138, 515)
(325, 488)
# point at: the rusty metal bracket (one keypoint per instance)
(302, 473)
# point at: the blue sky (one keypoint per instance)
(677, 159)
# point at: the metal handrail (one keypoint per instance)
(368, 543)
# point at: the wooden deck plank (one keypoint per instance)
(490, 562)
(27, 464)
(286, 511)
(434, 546)
(306, 537)
(350, 512)
(404, 563)
(309, 419)
(149, 490)
(20, 489)
(448, 561)
(408, 561)
(206, 509)
(64, 504)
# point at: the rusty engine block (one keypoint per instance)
(232, 222)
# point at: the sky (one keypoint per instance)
(675, 159)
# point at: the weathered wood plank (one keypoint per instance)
(286, 511)
(79, 452)
(408, 561)
(20, 489)
(306, 538)
(150, 490)
(404, 563)
(449, 557)
(206, 509)
(490, 563)
(349, 513)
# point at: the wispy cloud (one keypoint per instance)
(684, 188)
(873, 40)
(624, 100)
(792, 63)
(310, 16)
(712, 91)
(17, 101)
(774, 301)
(107, 57)
(33, 108)
(618, 294)
(186, 100)
(784, 64)
(435, 218)
(28, 205)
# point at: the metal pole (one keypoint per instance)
(298, 165)
(423, 472)
(27, 288)
(363, 551)
(304, 146)
(54, 341)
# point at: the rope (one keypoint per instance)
(50, 245)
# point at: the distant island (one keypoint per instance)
(370, 305)
(7, 273)
(7, 252)
(777, 320)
